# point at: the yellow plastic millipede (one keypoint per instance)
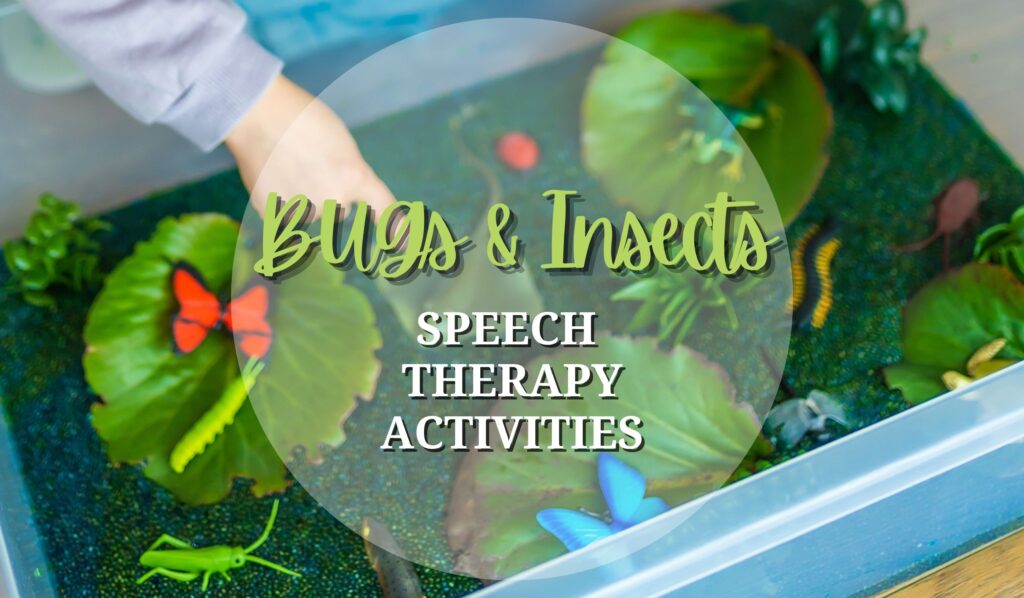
(812, 298)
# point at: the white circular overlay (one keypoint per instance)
(553, 402)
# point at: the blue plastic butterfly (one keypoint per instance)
(623, 488)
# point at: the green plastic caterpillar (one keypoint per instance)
(220, 415)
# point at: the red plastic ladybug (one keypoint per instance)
(518, 150)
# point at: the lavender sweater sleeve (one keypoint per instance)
(188, 64)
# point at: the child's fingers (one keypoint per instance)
(377, 195)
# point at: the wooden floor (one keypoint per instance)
(995, 570)
(977, 48)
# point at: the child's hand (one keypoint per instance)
(291, 143)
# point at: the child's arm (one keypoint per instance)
(189, 64)
(185, 63)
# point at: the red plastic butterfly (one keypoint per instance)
(200, 311)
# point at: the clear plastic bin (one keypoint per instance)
(856, 516)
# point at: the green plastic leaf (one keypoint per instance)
(886, 88)
(633, 117)
(18, 256)
(695, 436)
(790, 148)
(322, 360)
(887, 15)
(726, 60)
(918, 383)
(57, 249)
(50, 202)
(36, 280)
(1003, 244)
(152, 396)
(39, 299)
(829, 41)
(951, 318)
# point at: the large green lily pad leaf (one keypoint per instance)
(951, 318)
(152, 396)
(790, 148)
(633, 115)
(728, 61)
(322, 360)
(695, 436)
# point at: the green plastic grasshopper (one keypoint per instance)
(185, 563)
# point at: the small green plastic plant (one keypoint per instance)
(58, 250)
(1003, 244)
(674, 301)
(878, 57)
